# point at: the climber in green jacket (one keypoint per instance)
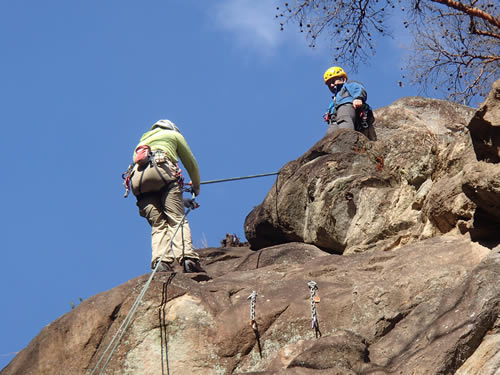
(156, 182)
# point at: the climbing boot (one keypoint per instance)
(164, 267)
(191, 265)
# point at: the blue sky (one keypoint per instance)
(82, 80)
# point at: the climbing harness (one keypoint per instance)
(154, 159)
(361, 122)
(253, 297)
(314, 299)
(113, 344)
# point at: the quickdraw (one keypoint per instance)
(126, 177)
(363, 115)
(253, 322)
(253, 297)
(327, 117)
(179, 176)
(314, 299)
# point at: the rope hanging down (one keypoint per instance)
(126, 322)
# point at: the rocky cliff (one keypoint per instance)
(400, 237)
(419, 180)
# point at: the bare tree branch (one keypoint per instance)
(456, 43)
(475, 12)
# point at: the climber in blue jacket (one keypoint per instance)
(348, 109)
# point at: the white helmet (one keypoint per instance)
(166, 124)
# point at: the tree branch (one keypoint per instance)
(475, 12)
(485, 33)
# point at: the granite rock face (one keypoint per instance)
(485, 127)
(422, 178)
(347, 194)
(422, 309)
(399, 237)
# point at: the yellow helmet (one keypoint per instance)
(334, 72)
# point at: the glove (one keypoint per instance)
(357, 103)
(190, 203)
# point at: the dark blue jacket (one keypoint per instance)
(346, 93)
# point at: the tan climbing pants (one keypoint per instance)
(164, 211)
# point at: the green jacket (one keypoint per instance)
(174, 145)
